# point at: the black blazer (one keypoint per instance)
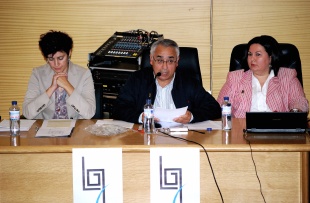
(186, 91)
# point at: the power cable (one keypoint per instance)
(260, 185)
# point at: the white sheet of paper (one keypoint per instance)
(58, 123)
(167, 115)
(170, 124)
(215, 125)
(56, 128)
(115, 122)
(25, 125)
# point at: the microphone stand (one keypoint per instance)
(157, 125)
(152, 86)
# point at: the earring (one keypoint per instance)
(270, 66)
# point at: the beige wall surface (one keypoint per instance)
(92, 22)
(238, 21)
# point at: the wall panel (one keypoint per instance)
(90, 23)
(238, 21)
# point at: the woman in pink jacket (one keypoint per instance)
(264, 86)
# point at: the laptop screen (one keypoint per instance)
(286, 122)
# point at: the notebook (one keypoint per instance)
(276, 122)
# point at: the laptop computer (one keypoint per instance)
(276, 122)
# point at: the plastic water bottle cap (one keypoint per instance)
(209, 129)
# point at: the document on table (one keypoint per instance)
(166, 116)
(56, 128)
(214, 125)
(25, 125)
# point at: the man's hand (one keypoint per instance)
(186, 118)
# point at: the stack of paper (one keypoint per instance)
(56, 128)
(25, 125)
(214, 125)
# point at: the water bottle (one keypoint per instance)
(148, 122)
(226, 114)
(14, 124)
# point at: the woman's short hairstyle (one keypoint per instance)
(54, 41)
(272, 48)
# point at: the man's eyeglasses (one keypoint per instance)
(161, 61)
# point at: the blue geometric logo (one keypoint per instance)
(93, 179)
(171, 179)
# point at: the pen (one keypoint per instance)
(198, 131)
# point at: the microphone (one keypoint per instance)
(151, 87)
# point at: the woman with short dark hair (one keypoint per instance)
(59, 89)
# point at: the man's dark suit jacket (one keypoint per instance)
(186, 92)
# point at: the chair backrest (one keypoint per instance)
(289, 59)
(188, 63)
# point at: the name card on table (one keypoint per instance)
(97, 175)
(175, 175)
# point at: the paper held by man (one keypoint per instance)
(166, 116)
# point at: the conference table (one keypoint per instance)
(40, 169)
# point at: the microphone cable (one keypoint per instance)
(152, 85)
(249, 142)
(186, 140)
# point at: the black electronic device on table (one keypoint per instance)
(123, 47)
(276, 122)
(112, 64)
